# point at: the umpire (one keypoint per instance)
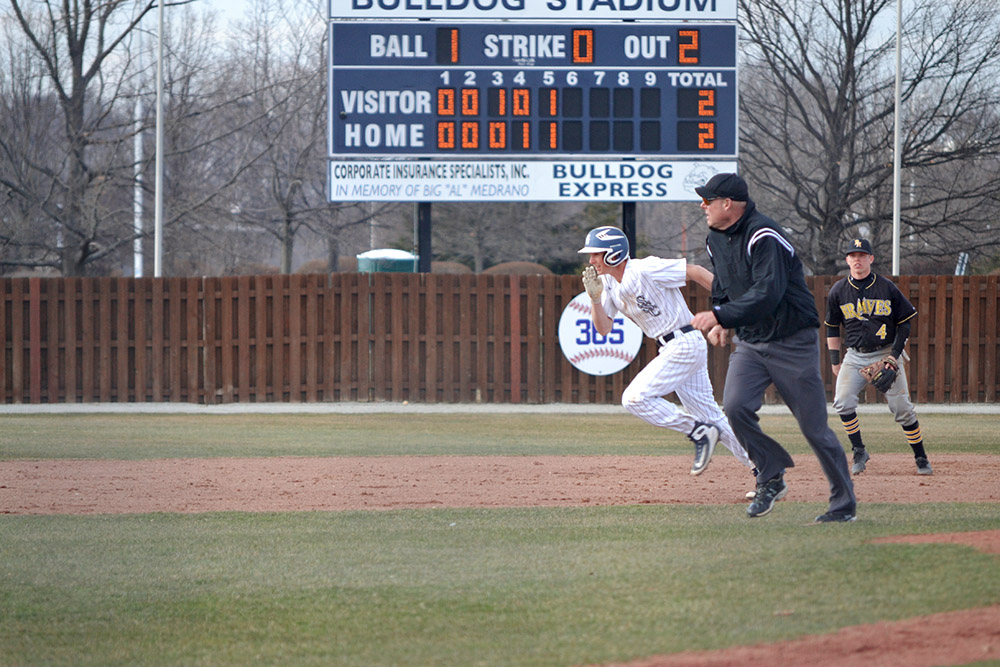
(877, 319)
(760, 291)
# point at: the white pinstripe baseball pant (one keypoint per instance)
(681, 367)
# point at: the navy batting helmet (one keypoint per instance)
(609, 240)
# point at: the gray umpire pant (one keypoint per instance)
(792, 365)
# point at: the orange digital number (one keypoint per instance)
(706, 102)
(553, 134)
(553, 102)
(521, 101)
(502, 101)
(470, 101)
(583, 46)
(446, 135)
(706, 136)
(684, 49)
(446, 102)
(470, 135)
(454, 45)
(497, 132)
(525, 135)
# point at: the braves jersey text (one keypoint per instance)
(870, 310)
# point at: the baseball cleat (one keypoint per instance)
(860, 459)
(705, 437)
(924, 466)
(767, 494)
(836, 517)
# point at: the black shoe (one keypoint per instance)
(836, 517)
(860, 459)
(924, 466)
(705, 437)
(767, 494)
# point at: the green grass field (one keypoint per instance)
(136, 436)
(545, 586)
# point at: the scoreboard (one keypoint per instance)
(503, 90)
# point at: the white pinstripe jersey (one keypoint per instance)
(649, 295)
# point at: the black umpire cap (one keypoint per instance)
(724, 186)
(859, 245)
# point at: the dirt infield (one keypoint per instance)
(336, 484)
(287, 484)
(955, 638)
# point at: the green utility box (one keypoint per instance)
(388, 260)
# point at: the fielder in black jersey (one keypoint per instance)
(876, 318)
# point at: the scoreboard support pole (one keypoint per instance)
(628, 225)
(424, 237)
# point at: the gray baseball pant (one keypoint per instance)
(792, 365)
(850, 384)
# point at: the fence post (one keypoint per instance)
(35, 340)
(515, 338)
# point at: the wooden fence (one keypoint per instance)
(426, 338)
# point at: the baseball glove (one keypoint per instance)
(592, 283)
(881, 374)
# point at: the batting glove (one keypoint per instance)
(592, 283)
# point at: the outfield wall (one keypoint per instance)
(427, 338)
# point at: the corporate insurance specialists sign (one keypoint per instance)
(520, 181)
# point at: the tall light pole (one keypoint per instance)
(137, 155)
(896, 157)
(158, 208)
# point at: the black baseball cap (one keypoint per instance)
(725, 186)
(859, 245)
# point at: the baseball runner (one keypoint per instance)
(647, 291)
(877, 318)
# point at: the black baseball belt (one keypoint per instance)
(869, 350)
(667, 337)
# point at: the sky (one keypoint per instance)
(234, 10)
(229, 10)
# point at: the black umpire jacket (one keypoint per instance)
(759, 287)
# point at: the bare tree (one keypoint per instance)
(279, 51)
(69, 175)
(672, 230)
(482, 234)
(208, 146)
(28, 132)
(817, 105)
(278, 57)
(65, 182)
